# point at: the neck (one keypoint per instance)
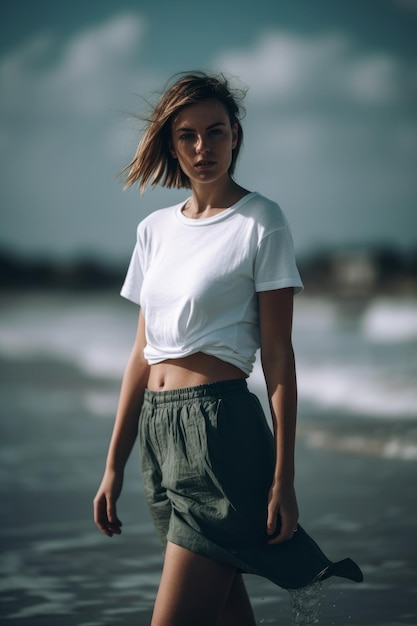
(207, 200)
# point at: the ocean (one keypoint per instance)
(352, 359)
(62, 357)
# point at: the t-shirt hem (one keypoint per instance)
(281, 284)
(128, 295)
(246, 367)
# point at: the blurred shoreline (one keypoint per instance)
(350, 272)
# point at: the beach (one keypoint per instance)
(61, 358)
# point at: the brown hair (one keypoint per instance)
(153, 161)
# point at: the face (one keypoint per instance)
(202, 139)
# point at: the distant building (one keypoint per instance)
(354, 272)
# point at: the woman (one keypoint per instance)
(214, 277)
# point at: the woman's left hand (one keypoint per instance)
(282, 505)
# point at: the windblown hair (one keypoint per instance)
(153, 162)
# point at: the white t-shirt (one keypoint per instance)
(196, 279)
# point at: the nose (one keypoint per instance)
(202, 146)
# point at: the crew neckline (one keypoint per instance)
(204, 221)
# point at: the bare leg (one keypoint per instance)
(193, 589)
(238, 610)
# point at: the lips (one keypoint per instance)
(204, 163)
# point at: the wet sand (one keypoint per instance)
(56, 568)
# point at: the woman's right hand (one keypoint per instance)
(104, 502)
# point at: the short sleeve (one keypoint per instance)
(275, 265)
(134, 278)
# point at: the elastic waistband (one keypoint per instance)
(214, 390)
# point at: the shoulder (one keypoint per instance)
(267, 214)
(157, 220)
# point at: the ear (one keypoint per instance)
(235, 135)
(172, 150)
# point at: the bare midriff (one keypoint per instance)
(190, 371)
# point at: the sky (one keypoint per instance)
(330, 126)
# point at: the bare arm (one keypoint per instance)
(123, 437)
(277, 356)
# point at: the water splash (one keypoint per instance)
(305, 604)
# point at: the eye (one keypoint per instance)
(186, 136)
(216, 131)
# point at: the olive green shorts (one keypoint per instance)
(207, 457)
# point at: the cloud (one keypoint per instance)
(61, 137)
(96, 60)
(288, 70)
(312, 97)
(43, 78)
